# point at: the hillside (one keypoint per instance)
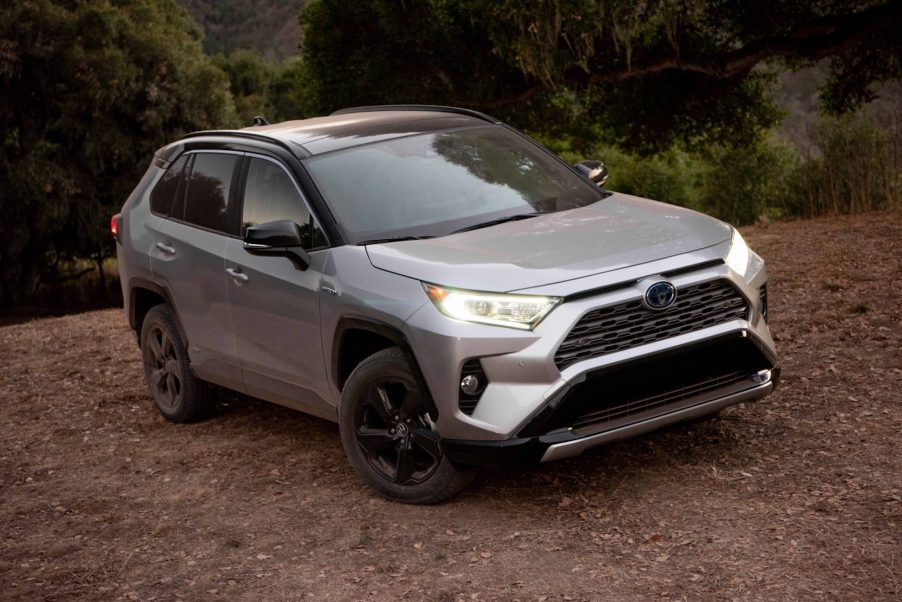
(268, 26)
(797, 497)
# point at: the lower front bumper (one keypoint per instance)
(566, 444)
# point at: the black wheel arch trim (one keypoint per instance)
(134, 284)
(389, 332)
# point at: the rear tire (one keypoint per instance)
(178, 394)
(389, 438)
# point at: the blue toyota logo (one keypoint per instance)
(660, 295)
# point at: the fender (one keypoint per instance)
(389, 332)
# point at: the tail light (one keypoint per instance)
(116, 226)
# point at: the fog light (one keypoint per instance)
(469, 384)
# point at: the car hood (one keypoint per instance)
(614, 233)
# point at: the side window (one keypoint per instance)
(165, 190)
(270, 195)
(208, 187)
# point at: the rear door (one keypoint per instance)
(275, 306)
(189, 261)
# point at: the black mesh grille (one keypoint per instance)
(631, 324)
(762, 303)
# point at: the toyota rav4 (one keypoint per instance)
(446, 289)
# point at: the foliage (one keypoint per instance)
(653, 72)
(268, 26)
(250, 79)
(745, 183)
(384, 52)
(88, 91)
(859, 168)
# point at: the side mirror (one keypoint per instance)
(594, 170)
(282, 238)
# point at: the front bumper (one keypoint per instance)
(567, 444)
(524, 380)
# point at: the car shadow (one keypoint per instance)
(607, 469)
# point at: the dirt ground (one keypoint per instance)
(796, 497)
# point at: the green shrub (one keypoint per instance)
(743, 184)
(858, 169)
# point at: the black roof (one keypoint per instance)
(355, 126)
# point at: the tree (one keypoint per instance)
(88, 91)
(649, 72)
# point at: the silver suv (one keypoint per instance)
(447, 290)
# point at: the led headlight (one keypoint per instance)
(513, 311)
(738, 257)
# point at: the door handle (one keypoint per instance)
(237, 276)
(166, 248)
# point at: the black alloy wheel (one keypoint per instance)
(178, 394)
(389, 435)
(398, 443)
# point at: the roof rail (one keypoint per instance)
(433, 108)
(296, 150)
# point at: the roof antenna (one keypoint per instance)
(260, 120)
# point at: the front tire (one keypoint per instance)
(389, 437)
(178, 394)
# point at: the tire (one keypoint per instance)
(178, 394)
(389, 438)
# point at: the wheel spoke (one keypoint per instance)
(427, 441)
(166, 394)
(158, 376)
(166, 344)
(377, 399)
(404, 467)
(155, 347)
(172, 385)
(374, 440)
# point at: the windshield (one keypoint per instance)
(437, 183)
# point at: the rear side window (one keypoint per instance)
(208, 187)
(270, 194)
(165, 190)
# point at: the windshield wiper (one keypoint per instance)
(495, 222)
(376, 241)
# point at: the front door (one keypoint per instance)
(275, 307)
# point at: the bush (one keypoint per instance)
(743, 184)
(858, 168)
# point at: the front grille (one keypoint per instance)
(655, 385)
(630, 324)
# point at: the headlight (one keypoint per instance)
(738, 257)
(513, 311)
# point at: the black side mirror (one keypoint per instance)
(594, 170)
(282, 238)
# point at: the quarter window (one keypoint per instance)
(165, 190)
(208, 188)
(271, 195)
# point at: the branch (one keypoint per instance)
(502, 103)
(813, 40)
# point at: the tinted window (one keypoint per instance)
(164, 192)
(270, 195)
(208, 186)
(433, 184)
